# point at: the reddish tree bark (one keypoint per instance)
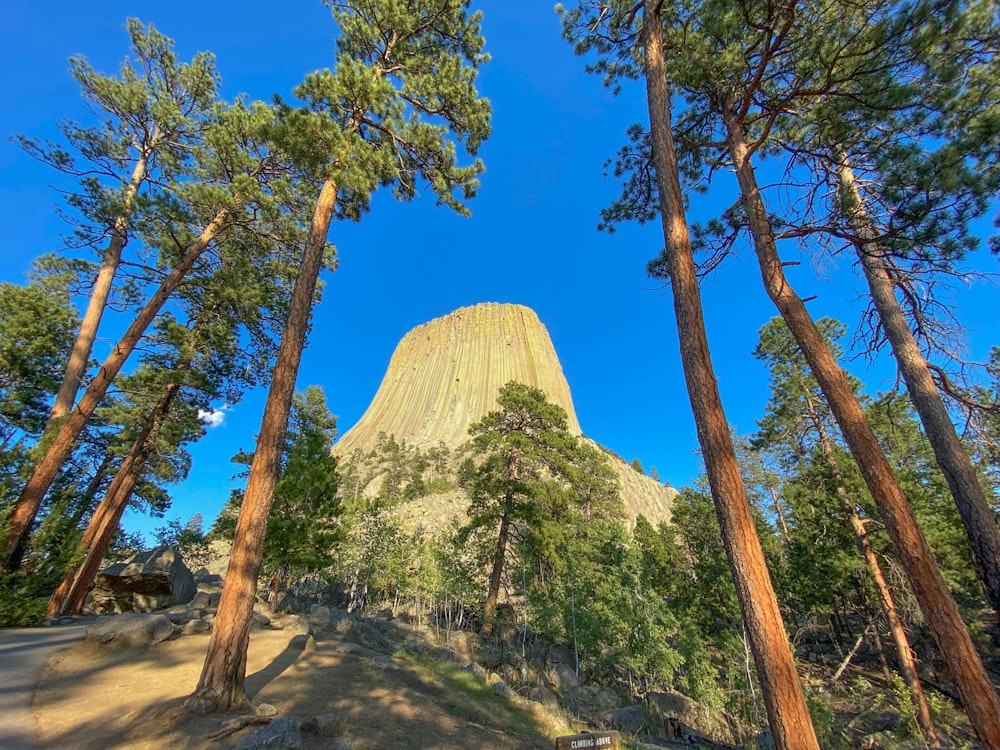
(71, 594)
(787, 712)
(936, 603)
(221, 685)
(978, 518)
(84, 342)
(61, 446)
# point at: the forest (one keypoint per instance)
(846, 547)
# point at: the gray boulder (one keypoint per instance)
(280, 734)
(630, 719)
(152, 579)
(686, 717)
(129, 630)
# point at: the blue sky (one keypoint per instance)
(531, 239)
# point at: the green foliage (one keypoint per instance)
(303, 527)
(154, 111)
(398, 102)
(23, 599)
(37, 327)
(637, 466)
(188, 538)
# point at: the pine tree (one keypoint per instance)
(617, 42)
(152, 113)
(798, 413)
(399, 100)
(237, 178)
(524, 464)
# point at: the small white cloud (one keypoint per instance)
(212, 417)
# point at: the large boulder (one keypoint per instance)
(129, 630)
(681, 717)
(152, 579)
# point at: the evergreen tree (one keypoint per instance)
(399, 100)
(239, 184)
(524, 466)
(799, 417)
(151, 115)
(303, 528)
(616, 32)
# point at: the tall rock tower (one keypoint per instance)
(445, 375)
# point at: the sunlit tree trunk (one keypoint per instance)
(71, 594)
(979, 520)
(84, 342)
(61, 446)
(932, 593)
(907, 664)
(787, 712)
(221, 685)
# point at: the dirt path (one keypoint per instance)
(93, 699)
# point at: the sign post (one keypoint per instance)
(590, 741)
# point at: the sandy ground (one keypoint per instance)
(89, 698)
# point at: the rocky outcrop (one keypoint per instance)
(151, 580)
(445, 375)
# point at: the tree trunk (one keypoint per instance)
(787, 713)
(84, 342)
(221, 685)
(978, 519)
(904, 654)
(496, 575)
(932, 593)
(71, 594)
(65, 437)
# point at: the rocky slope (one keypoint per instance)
(445, 375)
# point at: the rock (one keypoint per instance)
(501, 689)
(266, 710)
(260, 620)
(560, 654)
(689, 717)
(325, 725)
(447, 656)
(631, 719)
(208, 582)
(152, 579)
(592, 700)
(445, 375)
(320, 616)
(194, 627)
(129, 630)
(544, 696)
(477, 669)
(366, 634)
(280, 734)
(201, 600)
(294, 624)
(181, 614)
(563, 677)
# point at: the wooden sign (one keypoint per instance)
(588, 740)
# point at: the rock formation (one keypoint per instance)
(445, 375)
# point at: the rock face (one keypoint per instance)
(150, 580)
(445, 376)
